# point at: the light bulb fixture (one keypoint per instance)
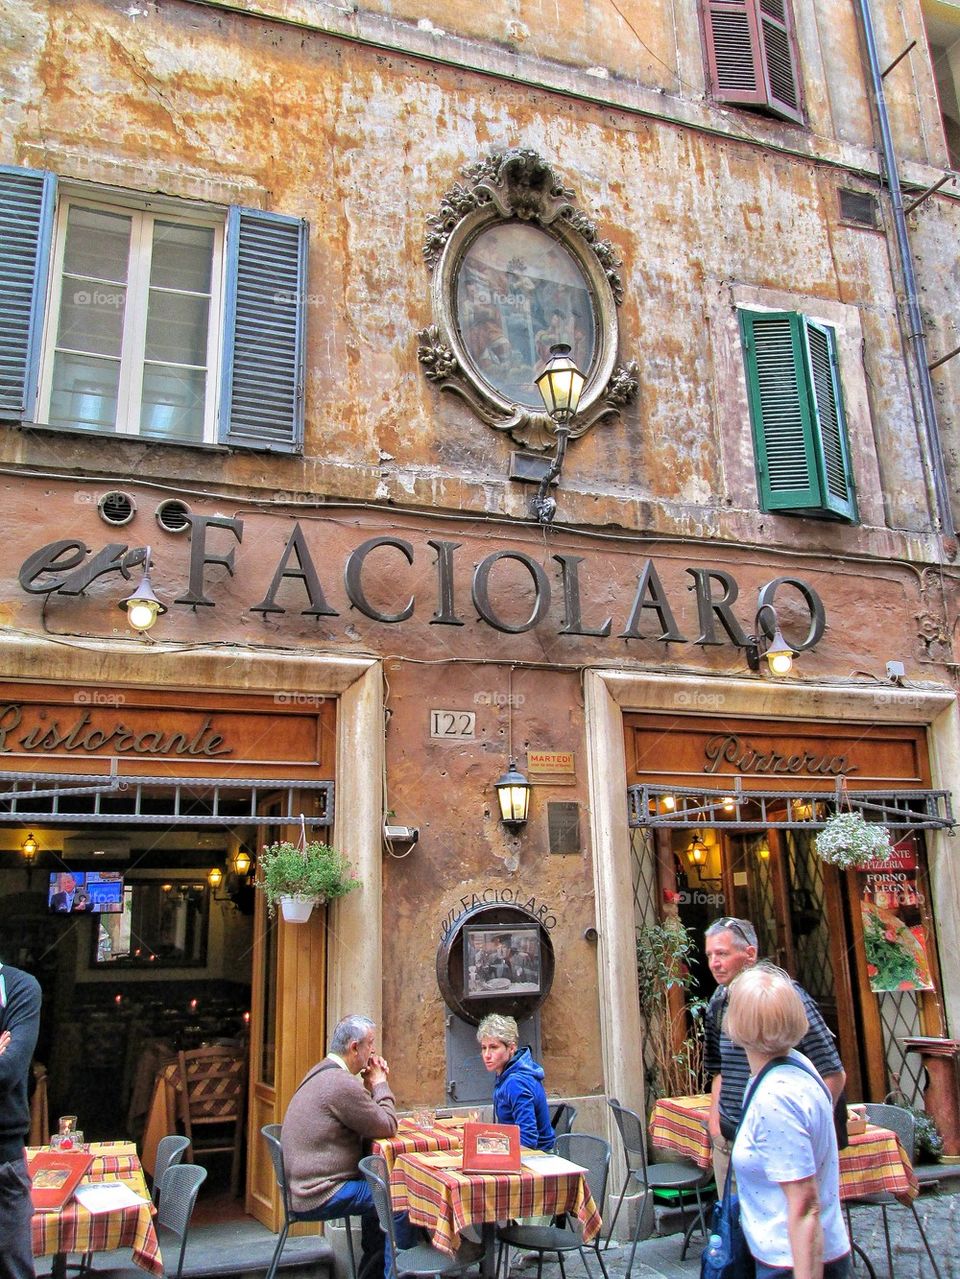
(728, 803)
(214, 876)
(560, 384)
(141, 605)
(775, 648)
(697, 850)
(241, 863)
(29, 849)
(513, 796)
(763, 851)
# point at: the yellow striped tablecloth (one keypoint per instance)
(74, 1229)
(873, 1162)
(413, 1139)
(443, 1199)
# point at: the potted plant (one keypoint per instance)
(848, 841)
(298, 876)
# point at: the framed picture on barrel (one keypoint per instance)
(501, 960)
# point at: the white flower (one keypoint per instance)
(848, 840)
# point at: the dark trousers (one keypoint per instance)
(836, 1269)
(16, 1213)
(354, 1197)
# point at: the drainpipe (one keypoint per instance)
(915, 334)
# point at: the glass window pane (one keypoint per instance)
(173, 403)
(177, 328)
(182, 257)
(84, 392)
(91, 316)
(98, 244)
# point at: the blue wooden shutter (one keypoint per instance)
(27, 202)
(261, 402)
(831, 439)
(780, 410)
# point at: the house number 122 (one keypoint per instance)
(453, 725)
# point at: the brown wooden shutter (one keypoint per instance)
(751, 55)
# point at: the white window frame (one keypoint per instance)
(133, 341)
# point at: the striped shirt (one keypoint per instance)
(723, 1057)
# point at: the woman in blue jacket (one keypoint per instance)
(518, 1093)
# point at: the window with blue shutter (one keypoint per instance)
(27, 199)
(796, 412)
(263, 370)
(161, 322)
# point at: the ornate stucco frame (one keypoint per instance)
(519, 185)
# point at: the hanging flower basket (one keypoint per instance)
(849, 841)
(302, 875)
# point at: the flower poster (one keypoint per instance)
(894, 932)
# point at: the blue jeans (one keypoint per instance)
(354, 1198)
(16, 1214)
(839, 1268)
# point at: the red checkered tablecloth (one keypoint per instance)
(412, 1139)
(445, 1200)
(74, 1229)
(873, 1162)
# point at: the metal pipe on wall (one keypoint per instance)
(915, 333)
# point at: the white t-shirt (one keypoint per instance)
(787, 1134)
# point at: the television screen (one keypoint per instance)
(91, 892)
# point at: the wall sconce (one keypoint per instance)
(29, 849)
(560, 384)
(697, 850)
(242, 862)
(513, 796)
(141, 605)
(214, 877)
(777, 651)
(763, 851)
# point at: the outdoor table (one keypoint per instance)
(73, 1228)
(439, 1196)
(873, 1162)
(412, 1139)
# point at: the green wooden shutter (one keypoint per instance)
(27, 201)
(834, 456)
(780, 410)
(261, 404)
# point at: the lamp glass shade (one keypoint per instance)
(763, 852)
(697, 851)
(513, 796)
(214, 876)
(241, 863)
(779, 655)
(30, 847)
(142, 606)
(560, 383)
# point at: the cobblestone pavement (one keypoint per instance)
(659, 1256)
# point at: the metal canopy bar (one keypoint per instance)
(684, 807)
(109, 799)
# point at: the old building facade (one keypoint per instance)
(278, 277)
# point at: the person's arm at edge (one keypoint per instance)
(804, 1227)
(22, 1019)
(371, 1114)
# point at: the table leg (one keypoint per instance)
(58, 1266)
(488, 1238)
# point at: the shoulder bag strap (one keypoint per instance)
(324, 1065)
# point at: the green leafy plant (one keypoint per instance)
(314, 870)
(673, 1037)
(849, 840)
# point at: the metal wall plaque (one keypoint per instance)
(563, 826)
(453, 726)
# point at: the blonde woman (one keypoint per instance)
(518, 1093)
(785, 1153)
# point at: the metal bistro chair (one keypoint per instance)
(901, 1122)
(563, 1118)
(593, 1155)
(178, 1195)
(170, 1152)
(423, 1258)
(681, 1178)
(271, 1134)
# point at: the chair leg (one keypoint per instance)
(623, 1191)
(275, 1259)
(886, 1235)
(603, 1264)
(353, 1260)
(926, 1243)
(539, 1265)
(855, 1248)
(636, 1236)
(563, 1273)
(498, 1270)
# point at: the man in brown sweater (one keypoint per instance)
(341, 1105)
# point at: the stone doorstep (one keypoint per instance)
(302, 1258)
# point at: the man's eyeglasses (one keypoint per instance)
(735, 926)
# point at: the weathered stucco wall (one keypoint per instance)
(217, 106)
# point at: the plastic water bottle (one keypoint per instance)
(714, 1246)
